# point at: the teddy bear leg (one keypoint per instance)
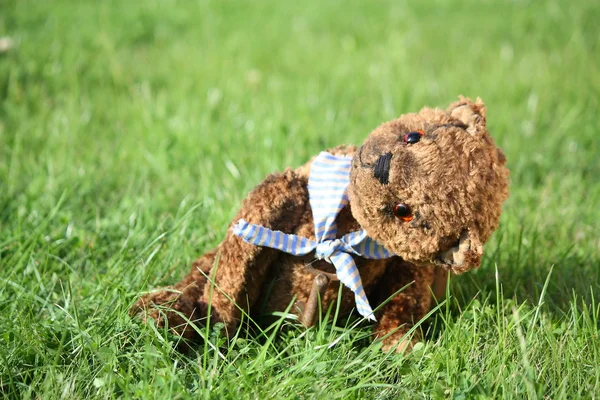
(179, 305)
(236, 281)
(405, 308)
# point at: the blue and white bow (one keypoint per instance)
(327, 190)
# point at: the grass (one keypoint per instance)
(130, 132)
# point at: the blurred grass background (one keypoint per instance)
(130, 132)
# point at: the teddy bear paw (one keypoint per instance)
(399, 343)
(168, 308)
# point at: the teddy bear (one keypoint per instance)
(386, 221)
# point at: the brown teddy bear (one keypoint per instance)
(418, 199)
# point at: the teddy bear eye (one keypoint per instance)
(413, 137)
(403, 212)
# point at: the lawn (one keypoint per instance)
(131, 131)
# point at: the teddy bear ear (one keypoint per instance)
(470, 113)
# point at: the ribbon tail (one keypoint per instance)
(347, 272)
(261, 236)
(361, 244)
(327, 192)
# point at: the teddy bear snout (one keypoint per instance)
(466, 254)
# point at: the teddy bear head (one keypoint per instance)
(430, 186)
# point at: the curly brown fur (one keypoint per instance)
(405, 308)
(453, 179)
(180, 304)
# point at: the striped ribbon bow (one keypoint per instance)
(327, 190)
